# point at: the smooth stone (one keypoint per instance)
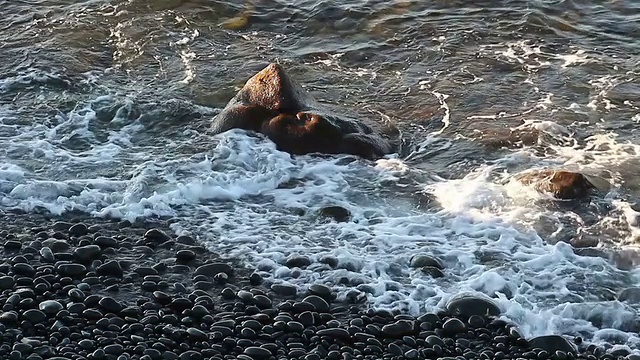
(114, 349)
(297, 261)
(78, 230)
(212, 269)
(105, 242)
(47, 255)
(630, 295)
(185, 256)
(552, 343)
(71, 269)
(50, 307)
(110, 268)
(197, 334)
(255, 279)
(284, 289)
(467, 306)
(157, 236)
(320, 290)
(398, 329)
(257, 352)
(454, 326)
(87, 253)
(6, 282)
(337, 333)
(420, 261)
(337, 213)
(34, 316)
(432, 271)
(110, 304)
(319, 303)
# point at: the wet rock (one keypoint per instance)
(420, 261)
(50, 307)
(558, 183)
(321, 290)
(297, 261)
(157, 236)
(34, 316)
(467, 306)
(630, 295)
(257, 352)
(453, 326)
(110, 268)
(78, 230)
(552, 343)
(110, 304)
(284, 289)
(337, 213)
(318, 303)
(273, 104)
(184, 256)
(434, 272)
(213, 269)
(71, 269)
(86, 254)
(105, 242)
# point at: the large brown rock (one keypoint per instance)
(274, 104)
(558, 183)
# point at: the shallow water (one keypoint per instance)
(105, 106)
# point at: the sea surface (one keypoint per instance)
(105, 108)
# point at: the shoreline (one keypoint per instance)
(80, 287)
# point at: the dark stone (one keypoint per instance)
(257, 352)
(320, 290)
(105, 242)
(255, 279)
(275, 105)
(337, 333)
(78, 230)
(297, 261)
(6, 282)
(34, 316)
(86, 254)
(185, 256)
(469, 305)
(110, 268)
(337, 213)
(50, 307)
(454, 326)
(630, 295)
(214, 268)
(197, 334)
(71, 270)
(156, 236)
(284, 289)
(552, 343)
(420, 261)
(114, 349)
(398, 329)
(12, 246)
(319, 303)
(110, 304)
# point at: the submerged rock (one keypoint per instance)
(274, 104)
(468, 305)
(558, 183)
(337, 213)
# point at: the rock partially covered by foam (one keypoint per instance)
(274, 104)
(469, 305)
(552, 343)
(558, 183)
(630, 295)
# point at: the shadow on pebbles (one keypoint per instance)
(84, 288)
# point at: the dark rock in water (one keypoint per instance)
(257, 352)
(630, 295)
(558, 183)
(297, 261)
(337, 213)
(398, 329)
(156, 236)
(434, 272)
(553, 343)
(329, 260)
(466, 306)
(419, 261)
(213, 269)
(275, 105)
(255, 279)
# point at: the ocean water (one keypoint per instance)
(105, 108)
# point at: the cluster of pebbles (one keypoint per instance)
(96, 289)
